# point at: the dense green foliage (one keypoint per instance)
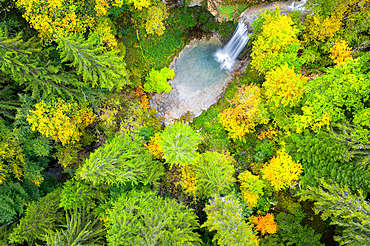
(348, 210)
(224, 215)
(179, 144)
(40, 216)
(85, 158)
(143, 218)
(92, 62)
(123, 159)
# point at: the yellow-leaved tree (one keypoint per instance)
(281, 171)
(283, 87)
(246, 112)
(275, 43)
(65, 123)
(340, 52)
(60, 120)
(62, 18)
(283, 91)
(251, 188)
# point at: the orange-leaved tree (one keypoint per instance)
(265, 224)
(246, 112)
(281, 171)
(340, 52)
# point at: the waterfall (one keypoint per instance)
(227, 56)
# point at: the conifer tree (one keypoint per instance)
(224, 215)
(345, 209)
(123, 159)
(291, 232)
(82, 228)
(93, 62)
(23, 62)
(323, 156)
(143, 218)
(214, 173)
(13, 200)
(40, 216)
(179, 144)
(77, 194)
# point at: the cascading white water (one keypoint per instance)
(227, 56)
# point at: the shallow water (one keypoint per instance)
(198, 69)
(197, 84)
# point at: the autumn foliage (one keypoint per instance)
(60, 120)
(251, 188)
(283, 87)
(340, 52)
(266, 224)
(276, 44)
(246, 112)
(281, 171)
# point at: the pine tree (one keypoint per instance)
(123, 159)
(82, 228)
(291, 232)
(323, 156)
(345, 209)
(224, 215)
(143, 218)
(214, 173)
(9, 101)
(23, 62)
(13, 200)
(179, 144)
(96, 65)
(77, 194)
(40, 216)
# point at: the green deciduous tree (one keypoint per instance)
(179, 144)
(93, 62)
(338, 95)
(224, 215)
(345, 209)
(143, 218)
(123, 159)
(156, 81)
(40, 216)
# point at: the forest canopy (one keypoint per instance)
(282, 157)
